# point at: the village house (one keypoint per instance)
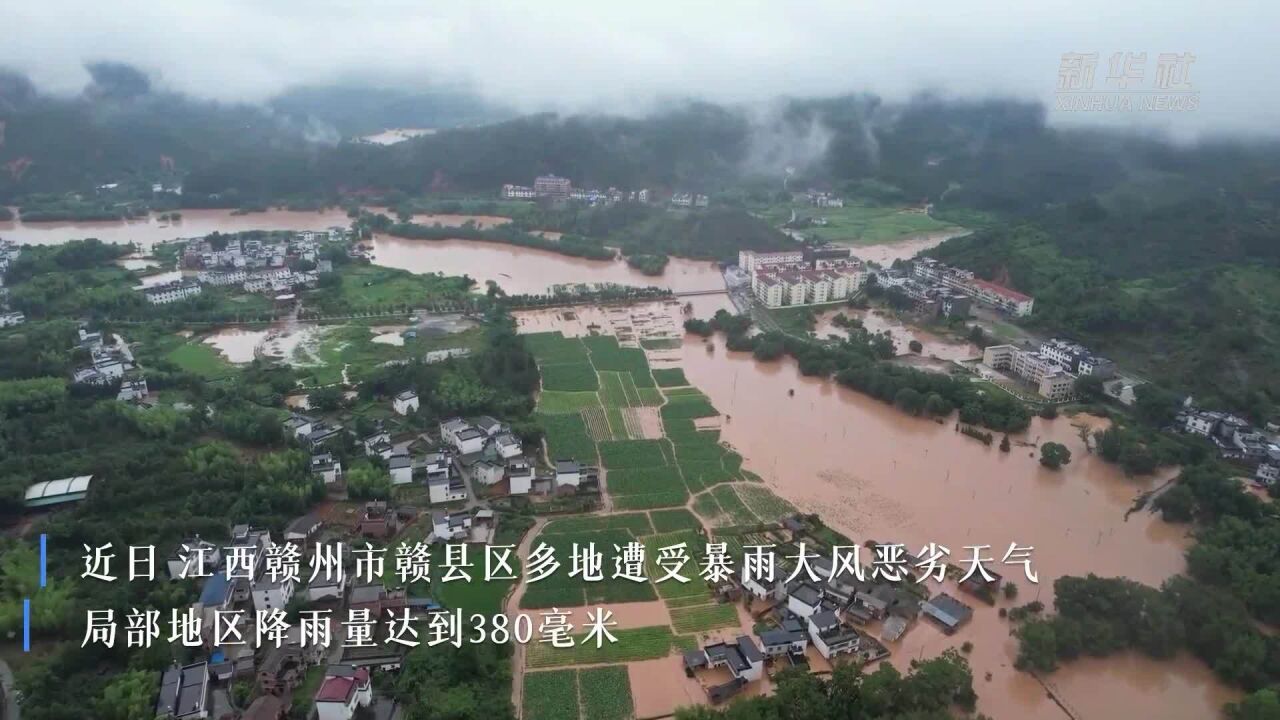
(405, 402)
(323, 434)
(488, 472)
(327, 467)
(302, 529)
(298, 426)
(507, 445)
(830, 636)
(790, 638)
(462, 435)
(378, 444)
(184, 692)
(447, 526)
(568, 473)
(12, 319)
(378, 521)
(741, 657)
(271, 594)
(519, 475)
(401, 467)
(946, 612)
(804, 599)
(444, 482)
(343, 690)
(132, 390)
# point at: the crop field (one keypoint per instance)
(567, 437)
(551, 695)
(606, 693)
(670, 377)
(661, 343)
(607, 355)
(552, 348)
(569, 377)
(557, 402)
(671, 520)
(861, 224)
(618, 427)
(633, 454)
(701, 618)
(559, 589)
(763, 503)
(618, 389)
(635, 523)
(687, 407)
(645, 488)
(644, 643)
(707, 508)
(596, 420)
(734, 508)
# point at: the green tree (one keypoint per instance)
(1088, 387)
(128, 696)
(1054, 455)
(915, 346)
(325, 399)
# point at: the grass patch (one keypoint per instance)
(672, 520)
(670, 377)
(702, 618)
(371, 287)
(558, 402)
(569, 377)
(645, 643)
(201, 359)
(567, 437)
(606, 693)
(551, 695)
(856, 224)
(632, 454)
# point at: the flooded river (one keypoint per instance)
(879, 322)
(873, 472)
(528, 270)
(906, 248)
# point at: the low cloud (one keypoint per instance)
(575, 55)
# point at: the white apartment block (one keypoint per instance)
(751, 261)
(171, 292)
(1050, 379)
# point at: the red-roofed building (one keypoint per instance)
(344, 689)
(1002, 297)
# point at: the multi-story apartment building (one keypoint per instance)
(1050, 379)
(999, 296)
(171, 292)
(1077, 358)
(552, 186)
(751, 261)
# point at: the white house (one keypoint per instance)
(568, 472)
(327, 467)
(171, 292)
(520, 476)
(1267, 474)
(488, 473)
(508, 446)
(271, 594)
(378, 445)
(790, 638)
(405, 402)
(11, 319)
(401, 469)
(132, 390)
(830, 636)
(489, 426)
(299, 426)
(804, 599)
(450, 428)
(344, 689)
(449, 526)
(742, 657)
(444, 482)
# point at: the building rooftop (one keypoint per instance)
(52, 492)
(1001, 290)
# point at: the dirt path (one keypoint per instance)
(512, 608)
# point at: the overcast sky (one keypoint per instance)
(620, 56)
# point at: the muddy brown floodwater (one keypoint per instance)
(148, 231)
(905, 248)
(877, 321)
(873, 472)
(528, 270)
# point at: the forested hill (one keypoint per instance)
(993, 155)
(1187, 292)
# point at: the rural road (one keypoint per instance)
(11, 709)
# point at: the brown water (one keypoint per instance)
(146, 232)
(904, 249)
(877, 321)
(873, 472)
(448, 220)
(521, 270)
